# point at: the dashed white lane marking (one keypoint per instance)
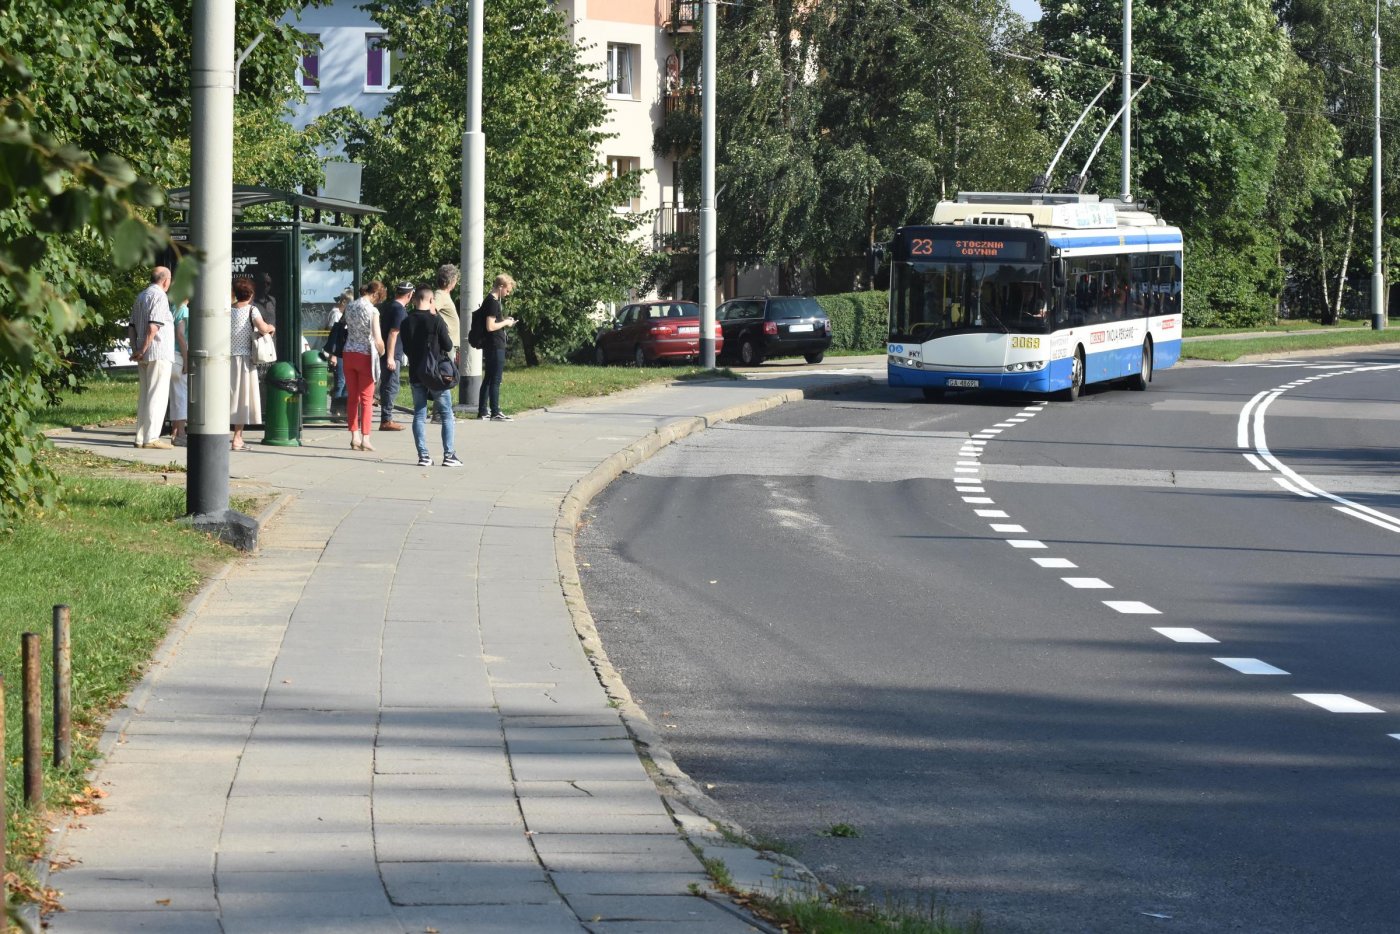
(1339, 703)
(1131, 607)
(1251, 666)
(1264, 461)
(1055, 562)
(1178, 634)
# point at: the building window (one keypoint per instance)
(619, 166)
(311, 65)
(620, 65)
(381, 63)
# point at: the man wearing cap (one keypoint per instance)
(391, 316)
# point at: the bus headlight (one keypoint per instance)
(1028, 365)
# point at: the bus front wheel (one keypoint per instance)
(1076, 377)
(1144, 376)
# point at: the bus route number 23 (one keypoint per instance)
(1025, 343)
(921, 247)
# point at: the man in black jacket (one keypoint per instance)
(422, 329)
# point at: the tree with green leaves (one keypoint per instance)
(95, 101)
(918, 100)
(551, 211)
(1209, 133)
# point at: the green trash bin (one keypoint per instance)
(282, 419)
(316, 406)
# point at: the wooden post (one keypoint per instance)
(62, 689)
(33, 722)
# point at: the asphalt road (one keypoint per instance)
(1018, 713)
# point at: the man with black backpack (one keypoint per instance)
(432, 374)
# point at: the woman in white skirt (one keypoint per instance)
(245, 403)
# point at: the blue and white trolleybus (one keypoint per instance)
(1035, 293)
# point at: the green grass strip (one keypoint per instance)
(115, 555)
(1226, 350)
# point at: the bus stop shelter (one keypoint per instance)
(301, 251)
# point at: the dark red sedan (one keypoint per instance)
(649, 332)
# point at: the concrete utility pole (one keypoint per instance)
(1378, 286)
(473, 206)
(708, 82)
(211, 230)
(1127, 190)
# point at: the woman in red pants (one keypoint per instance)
(363, 348)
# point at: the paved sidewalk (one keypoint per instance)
(385, 721)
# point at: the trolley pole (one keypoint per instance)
(473, 207)
(707, 188)
(1378, 285)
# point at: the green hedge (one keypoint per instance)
(859, 320)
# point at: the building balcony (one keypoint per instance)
(677, 228)
(682, 100)
(685, 16)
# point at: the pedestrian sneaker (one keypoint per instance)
(452, 460)
(390, 426)
(179, 442)
(159, 443)
(425, 461)
(501, 417)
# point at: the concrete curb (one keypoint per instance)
(708, 828)
(135, 699)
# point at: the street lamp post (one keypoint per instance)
(473, 206)
(1378, 285)
(707, 188)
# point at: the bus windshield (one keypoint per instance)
(933, 299)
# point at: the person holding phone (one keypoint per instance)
(493, 354)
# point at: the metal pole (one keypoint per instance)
(62, 688)
(211, 230)
(707, 189)
(1378, 285)
(473, 205)
(33, 712)
(1127, 190)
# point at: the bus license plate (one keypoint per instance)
(965, 383)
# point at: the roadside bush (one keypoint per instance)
(859, 320)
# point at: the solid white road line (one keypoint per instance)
(1131, 607)
(1251, 666)
(1288, 485)
(1254, 459)
(1183, 634)
(1338, 703)
(1087, 583)
(1388, 526)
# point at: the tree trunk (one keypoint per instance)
(1346, 261)
(1322, 267)
(527, 344)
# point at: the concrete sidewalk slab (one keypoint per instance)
(386, 720)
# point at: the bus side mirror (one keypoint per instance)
(1059, 277)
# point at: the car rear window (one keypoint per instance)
(793, 308)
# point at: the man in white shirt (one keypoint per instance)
(153, 348)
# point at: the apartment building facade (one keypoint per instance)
(630, 44)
